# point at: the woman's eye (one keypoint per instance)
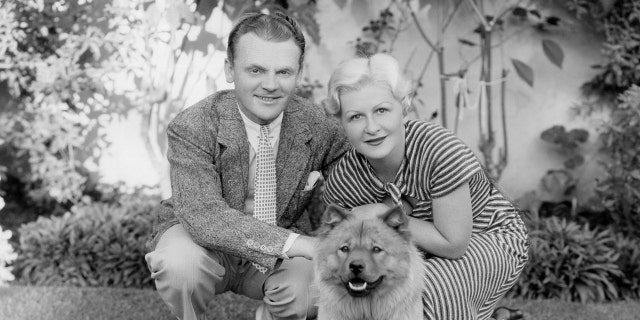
(356, 117)
(382, 110)
(376, 249)
(344, 249)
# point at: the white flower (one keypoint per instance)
(7, 255)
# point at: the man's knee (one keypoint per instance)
(177, 262)
(289, 292)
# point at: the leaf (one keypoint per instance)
(205, 8)
(520, 12)
(552, 20)
(423, 4)
(553, 51)
(524, 71)
(340, 3)
(234, 9)
(467, 42)
(305, 14)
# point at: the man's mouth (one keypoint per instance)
(358, 287)
(267, 99)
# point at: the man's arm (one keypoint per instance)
(197, 193)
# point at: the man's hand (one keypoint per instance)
(303, 246)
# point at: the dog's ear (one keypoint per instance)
(397, 220)
(333, 215)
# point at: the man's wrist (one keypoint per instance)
(287, 246)
(303, 246)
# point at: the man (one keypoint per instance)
(230, 226)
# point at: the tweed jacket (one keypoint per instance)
(208, 155)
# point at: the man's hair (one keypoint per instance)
(275, 27)
(356, 73)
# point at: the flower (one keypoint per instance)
(7, 255)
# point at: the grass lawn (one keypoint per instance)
(22, 303)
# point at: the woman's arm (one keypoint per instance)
(449, 234)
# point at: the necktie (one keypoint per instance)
(265, 180)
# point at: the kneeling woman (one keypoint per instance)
(474, 241)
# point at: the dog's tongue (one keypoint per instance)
(358, 285)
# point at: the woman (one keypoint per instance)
(474, 241)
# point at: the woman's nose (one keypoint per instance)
(372, 125)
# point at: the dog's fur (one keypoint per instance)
(376, 250)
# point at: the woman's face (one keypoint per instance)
(373, 121)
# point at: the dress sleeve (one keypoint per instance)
(451, 163)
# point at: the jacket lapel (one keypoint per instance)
(293, 156)
(234, 156)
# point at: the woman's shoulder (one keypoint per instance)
(422, 125)
(426, 132)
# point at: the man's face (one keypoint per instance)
(265, 75)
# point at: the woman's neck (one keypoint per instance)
(387, 168)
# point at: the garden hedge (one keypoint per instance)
(92, 245)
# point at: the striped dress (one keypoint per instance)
(436, 163)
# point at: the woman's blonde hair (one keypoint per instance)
(356, 73)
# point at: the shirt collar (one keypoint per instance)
(253, 129)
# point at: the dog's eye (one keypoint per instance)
(344, 249)
(376, 249)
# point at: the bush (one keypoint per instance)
(629, 263)
(570, 262)
(93, 245)
(619, 191)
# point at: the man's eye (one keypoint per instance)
(255, 70)
(284, 72)
(344, 249)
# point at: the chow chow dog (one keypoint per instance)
(368, 269)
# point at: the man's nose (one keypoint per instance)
(269, 82)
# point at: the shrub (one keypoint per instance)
(629, 263)
(93, 245)
(619, 191)
(569, 261)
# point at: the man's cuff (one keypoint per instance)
(287, 245)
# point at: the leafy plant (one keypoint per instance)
(618, 21)
(620, 188)
(560, 185)
(570, 262)
(629, 263)
(567, 142)
(93, 245)
(72, 66)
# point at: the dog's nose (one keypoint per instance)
(356, 267)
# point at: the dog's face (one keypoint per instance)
(363, 256)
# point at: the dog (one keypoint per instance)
(367, 269)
